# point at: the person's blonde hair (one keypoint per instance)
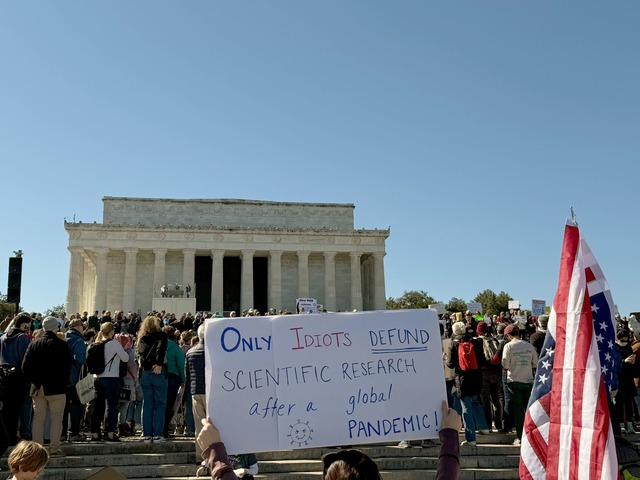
(105, 329)
(185, 337)
(28, 456)
(149, 325)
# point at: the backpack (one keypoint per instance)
(628, 458)
(467, 356)
(95, 358)
(490, 346)
(630, 472)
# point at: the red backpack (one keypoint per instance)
(467, 356)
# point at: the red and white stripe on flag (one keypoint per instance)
(567, 430)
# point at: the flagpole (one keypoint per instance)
(574, 220)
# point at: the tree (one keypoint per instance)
(492, 303)
(55, 311)
(7, 309)
(456, 305)
(502, 302)
(488, 299)
(409, 300)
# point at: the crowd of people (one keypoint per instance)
(150, 381)
(142, 383)
(490, 363)
(139, 369)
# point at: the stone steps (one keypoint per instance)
(493, 458)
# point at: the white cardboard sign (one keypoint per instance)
(307, 305)
(441, 308)
(298, 381)
(474, 307)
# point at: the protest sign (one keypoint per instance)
(520, 321)
(297, 381)
(538, 307)
(474, 307)
(440, 308)
(514, 304)
(307, 305)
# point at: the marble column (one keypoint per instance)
(159, 269)
(76, 264)
(90, 286)
(356, 281)
(189, 268)
(275, 279)
(100, 303)
(330, 281)
(83, 287)
(379, 299)
(130, 266)
(246, 286)
(303, 274)
(217, 281)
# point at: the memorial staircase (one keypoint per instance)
(493, 458)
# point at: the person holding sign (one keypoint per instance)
(344, 464)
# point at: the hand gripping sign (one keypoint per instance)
(298, 381)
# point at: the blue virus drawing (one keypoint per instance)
(300, 433)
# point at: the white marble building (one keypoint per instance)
(235, 254)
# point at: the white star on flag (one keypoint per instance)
(546, 364)
(600, 338)
(543, 378)
(595, 308)
(603, 326)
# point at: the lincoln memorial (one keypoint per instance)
(222, 255)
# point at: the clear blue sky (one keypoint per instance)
(468, 128)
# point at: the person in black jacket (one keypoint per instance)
(468, 382)
(13, 346)
(196, 382)
(151, 350)
(47, 365)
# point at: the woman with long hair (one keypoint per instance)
(151, 350)
(108, 385)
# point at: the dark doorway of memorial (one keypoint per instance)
(260, 284)
(232, 276)
(232, 284)
(202, 278)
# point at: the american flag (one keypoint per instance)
(567, 430)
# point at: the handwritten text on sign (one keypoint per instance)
(296, 381)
